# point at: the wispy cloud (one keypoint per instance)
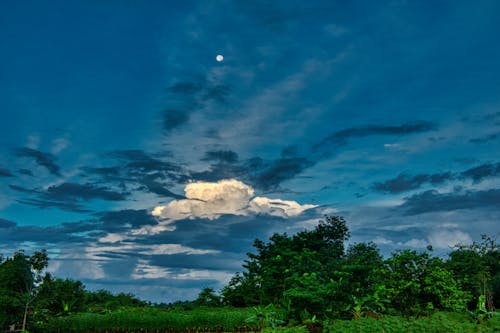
(405, 182)
(46, 160)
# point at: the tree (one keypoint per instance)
(20, 277)
(208, 297)
(293, 268)
(477, 268)
(60, 297)
(412, 283)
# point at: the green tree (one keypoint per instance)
(282, 270)
(477, 268)
(412, 283)
(208, 297)
(20, 277)
(60, 296)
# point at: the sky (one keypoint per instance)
(144, 165)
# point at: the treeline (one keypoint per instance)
(27, 295)
(308, 275)
(312, 273)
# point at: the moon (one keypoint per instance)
(219, 57)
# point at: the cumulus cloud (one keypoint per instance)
(212, 199)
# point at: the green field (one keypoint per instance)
(248, 319)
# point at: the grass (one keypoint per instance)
(234, 320)
(152, 320)
(440, 322)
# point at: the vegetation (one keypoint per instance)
(307, 281)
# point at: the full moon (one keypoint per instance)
(219, 58)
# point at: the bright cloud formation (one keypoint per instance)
(212, 199)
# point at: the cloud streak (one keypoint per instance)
(46, 160)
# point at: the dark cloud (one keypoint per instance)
(107, 172)
(220, 171)
(150, 184)
(150, 172)
(6, 224)
(188, 88)
(44, 159)
(433, 201)
(67, 196)
(404, 182)
(26, 172)
(73, 191)
(218, 261)
(63, 205)
(139, 161)
(223, 156)
(185, 98)
(5, 173)
(23, 190)
(483, 171)
(41, 235)
(217, 93)
(117, 220)
(485, 138)
(268, 176)
(174, 118)
(340, 138)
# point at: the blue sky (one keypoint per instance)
(144, 165)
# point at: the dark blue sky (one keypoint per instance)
(144, 165)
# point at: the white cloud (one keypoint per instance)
(415, 243)
(59, 145)
(230, 196)
(445, 239)
(277, 207)
(208, 200)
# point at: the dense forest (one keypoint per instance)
(308, 277)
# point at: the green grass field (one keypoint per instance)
(236, 320)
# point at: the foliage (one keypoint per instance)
(438, 322)
(414, 283)
(477, 268)
(19, 278)
(208, 297)
(136, 319)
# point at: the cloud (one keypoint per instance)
(185, 98)
(5, 173)
(434, 201)
(269, 176)
(211, 200)
(151, 172)
(222, 156)
(127, 218)
(485, 138)
(174, 118)
(59, 145)
(404, 182)
(208, 200)
(277, 207)
(46, 160)
(4, 224)
(26, 172)
(68, 196)
(340, 138)
(446, 239)
(73, 191)
(64, 205)
(483, 171)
